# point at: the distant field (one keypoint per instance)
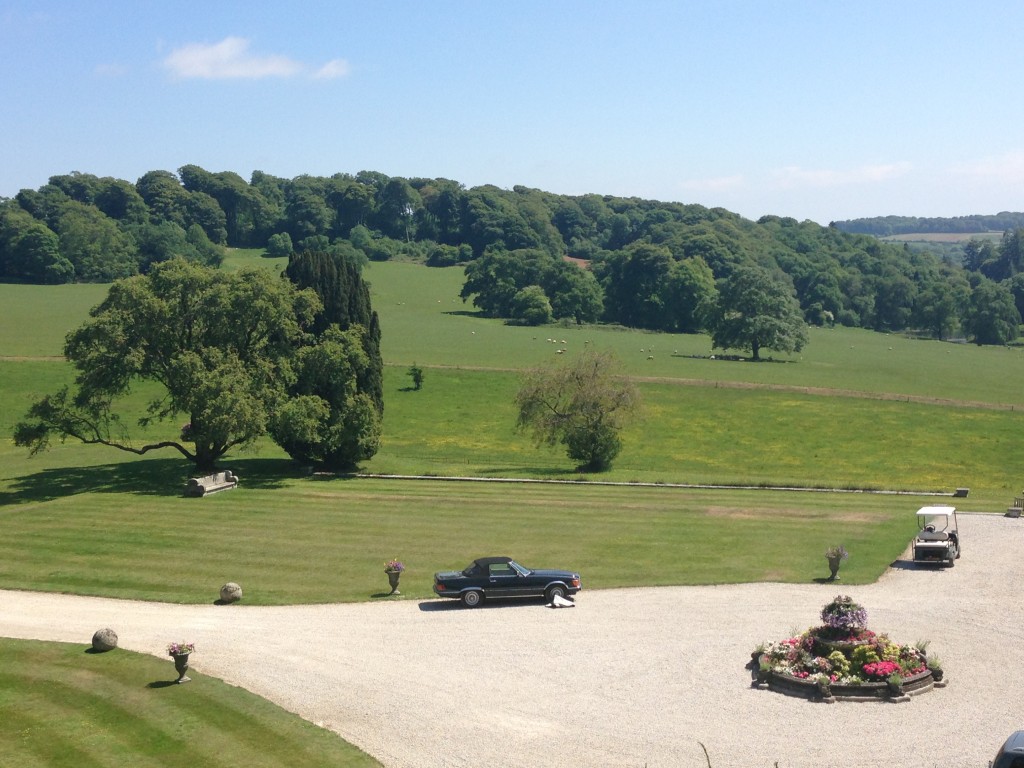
(424, 321)
(942, 237)
(37, 317)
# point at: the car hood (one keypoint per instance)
(549, 573)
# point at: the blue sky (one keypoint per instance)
(816, 110)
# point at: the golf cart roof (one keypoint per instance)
(936, 511)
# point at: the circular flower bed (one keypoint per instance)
(843, 658)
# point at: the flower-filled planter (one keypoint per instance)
(843, 659)
(180, 653)
(394, 568)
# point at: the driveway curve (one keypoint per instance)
(628, 677)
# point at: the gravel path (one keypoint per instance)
(631, 677)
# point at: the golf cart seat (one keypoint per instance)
(932, 536)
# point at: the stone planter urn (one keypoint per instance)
(825, 690)
(181, 667)
(180, 652)
(835, 556)
(833, 567)
(393, 568)
(762, 674)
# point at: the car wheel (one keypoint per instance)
(472, 599)
(558, 590)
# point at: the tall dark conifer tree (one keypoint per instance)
(346, 298)
(332, 417)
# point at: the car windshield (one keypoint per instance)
(521, 570)
(932, 522)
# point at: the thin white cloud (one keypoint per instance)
(231, 59)
(332, 69)
(1008, 167)
(793, 176)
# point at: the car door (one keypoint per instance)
(502, 580)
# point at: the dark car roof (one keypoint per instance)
(485, 561)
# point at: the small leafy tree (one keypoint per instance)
(991, 316)
(583, 405)
(280, 244)
(531, 307)
(416, 373)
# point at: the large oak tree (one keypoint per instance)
(756, 311)
(218, 345)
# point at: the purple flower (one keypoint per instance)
(843, 613)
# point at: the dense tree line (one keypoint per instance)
(886, 226)
(530, 256)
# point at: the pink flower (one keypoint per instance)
(881, 669)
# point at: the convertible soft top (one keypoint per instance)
(483, 562)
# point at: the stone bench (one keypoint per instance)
(218, 481)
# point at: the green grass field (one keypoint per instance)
(854, 410)
(63, 708)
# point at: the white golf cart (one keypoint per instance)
(937, 539)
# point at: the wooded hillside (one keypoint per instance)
(886, 226)
(650, 264)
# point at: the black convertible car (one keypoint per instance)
(503, 577)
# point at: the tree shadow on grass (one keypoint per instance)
(152, 477)
(466, 313)
(733, 358)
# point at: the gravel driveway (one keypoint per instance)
(628, 677)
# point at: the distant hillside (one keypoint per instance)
(886, 226)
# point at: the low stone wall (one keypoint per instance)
(808, 689)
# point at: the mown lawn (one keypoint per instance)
(280, 535)
(63, 707)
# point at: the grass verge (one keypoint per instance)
(318, 540)
(62, 706)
